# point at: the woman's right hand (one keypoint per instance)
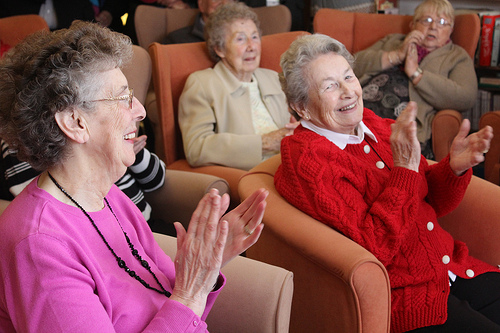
(199, 253)
(404, 143)
(272, 141)
(413, 37)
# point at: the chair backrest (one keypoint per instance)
(172, 64)
(153, 24)
(274, 19)
(14, 29)
(138, 73)
(358, 31)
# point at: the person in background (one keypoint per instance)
(364, 176)
(423, 66)
(195, 33)
(58, 13)
(233, 114)
(145, 175)
(76, 254)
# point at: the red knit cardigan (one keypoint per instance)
(392, 212)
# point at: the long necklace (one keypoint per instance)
(120, 261)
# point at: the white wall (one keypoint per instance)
(407, 7)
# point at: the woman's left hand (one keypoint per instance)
(104, 18)
(245, 225)
(468, 151)
(411, 61)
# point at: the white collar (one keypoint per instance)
(339, 139)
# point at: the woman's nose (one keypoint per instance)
(347, 90)
(250, 45)
(138, 110)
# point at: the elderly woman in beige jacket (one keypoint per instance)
(234, 114)
(424, 66)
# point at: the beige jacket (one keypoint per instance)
(215, 117)
(448, 81)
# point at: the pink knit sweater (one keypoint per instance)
(392, 212)
(57, 275)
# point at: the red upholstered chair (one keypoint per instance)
(172, 65)
(340, 286)
(14, 29)
(357, 31)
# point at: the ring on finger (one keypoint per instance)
(247, 230)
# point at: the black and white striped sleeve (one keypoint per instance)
(148, 170)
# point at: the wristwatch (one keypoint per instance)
(417, 73)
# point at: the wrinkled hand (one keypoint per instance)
(411, 61)
(104, 18)
(139, 143)
(414, 37)
(245, 225)
(404, 143)
(468, 151)
(200, 252)
(272, 141)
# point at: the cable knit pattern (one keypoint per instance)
(387, 211)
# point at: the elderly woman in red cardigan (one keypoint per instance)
(365, 176)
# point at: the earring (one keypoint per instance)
(306, 116)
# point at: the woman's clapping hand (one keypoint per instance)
(404, 143)
(211, 241)
(468, 150)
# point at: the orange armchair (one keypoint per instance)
(340, 286)
(352, 30)
(14, 29)
(492, 157)
(172, 64)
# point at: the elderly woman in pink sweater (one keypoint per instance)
(76, 254)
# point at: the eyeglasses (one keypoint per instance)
(129, 97)
(440, 22)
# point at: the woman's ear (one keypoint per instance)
(220, 53)
(300, 110)
(73, 124)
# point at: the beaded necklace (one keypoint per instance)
(120, 261)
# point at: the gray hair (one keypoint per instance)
(441, 7)
(50, 72)
(219, 21)
(295, 62)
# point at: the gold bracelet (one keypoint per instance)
(417, 73)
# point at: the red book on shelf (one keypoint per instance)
(487, 28)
